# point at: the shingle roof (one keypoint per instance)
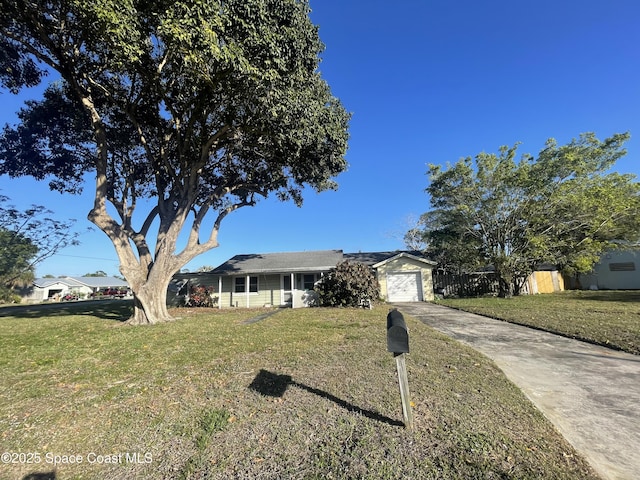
(412, 255)
(100, 282)
(321, 260)
(371, 258)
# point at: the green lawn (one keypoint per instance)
(305, 393)
(610, 318)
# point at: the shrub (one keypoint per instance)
(200, 296)
(350, 284)
(7, 295)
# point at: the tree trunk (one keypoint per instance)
(150, 302)
(505, 289)
(505, 284)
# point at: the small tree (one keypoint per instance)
(27, 238)
(16, 270)
(350, 284)
(99, 273)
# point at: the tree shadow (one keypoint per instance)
(628, 296)
(118, 310)
(273, 385)
(236, 264)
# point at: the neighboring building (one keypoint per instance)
(53, 289)
(616, 270)
(288, 279)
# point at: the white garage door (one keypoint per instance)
(404, 287)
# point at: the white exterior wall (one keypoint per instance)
(41, 294)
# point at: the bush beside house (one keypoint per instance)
(350, 284)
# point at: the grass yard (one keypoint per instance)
(609, 318)
(302, 394)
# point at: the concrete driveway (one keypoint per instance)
(590, 393)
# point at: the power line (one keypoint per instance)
(90, 258)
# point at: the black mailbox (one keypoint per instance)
(397, 333)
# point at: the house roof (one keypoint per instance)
(47, 282)
(321, 260)
(373, 258)
(100, 282)
(92, 282)
(412, 256)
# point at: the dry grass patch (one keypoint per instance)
(308, 393)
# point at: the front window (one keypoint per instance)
(253, 284)
(307, 281)
(241, 285)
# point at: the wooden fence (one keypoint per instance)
(478, 284)
(465, 285)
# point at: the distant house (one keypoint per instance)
(616, 270)
(288, 279)
(52, 289)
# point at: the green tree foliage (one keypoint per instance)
(455, 253)
(98, 273)
(27, 237)
(199, 107)
(205, 268)
(349, 284)
(16, 252)
(564, 207)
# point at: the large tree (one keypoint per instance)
(203, 106)
(563, 207)
(27, 237)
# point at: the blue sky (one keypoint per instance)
(426, 82)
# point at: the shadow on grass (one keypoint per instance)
(117, 310)
(40, 476)
(262, 316)
(274, 385)
(611, 295)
